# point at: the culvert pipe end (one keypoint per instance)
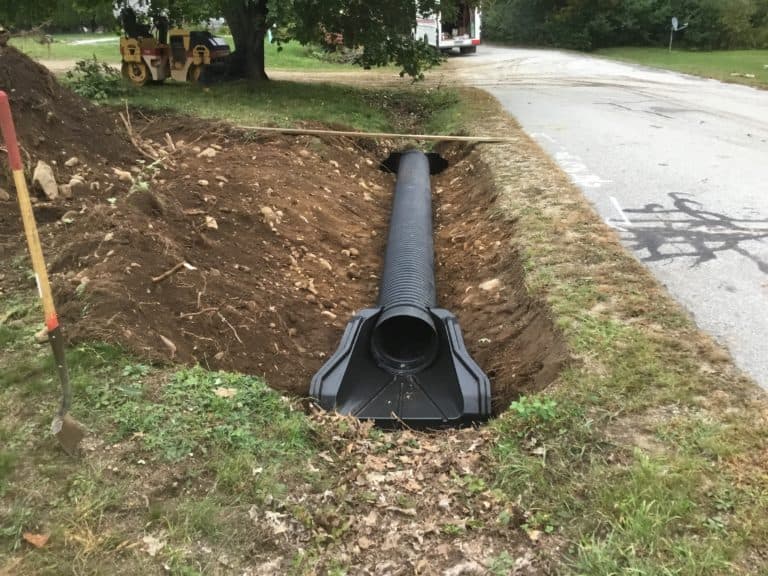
(405, 360)
(404, 339)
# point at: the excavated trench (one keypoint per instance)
(284, 240)
(480, 278)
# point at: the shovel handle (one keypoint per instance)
(8, 130)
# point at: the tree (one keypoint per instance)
(591, 24)
(382, 29)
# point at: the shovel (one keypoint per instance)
(66, 429)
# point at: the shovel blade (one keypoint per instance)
(69, 432)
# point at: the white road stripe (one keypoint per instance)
(620, 211)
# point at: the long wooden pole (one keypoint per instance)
(352, 134)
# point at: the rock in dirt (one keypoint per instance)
(210, 223)
(328, 314)
(270, 217)
(353, 272)
(469, 568)
(4, 196)
(77, 186)
(41, 337)
(491, 285)
(123, 175)
(325, 264)
(69, 216)
(202, 182)
(207, 153)
(72, 162)
(65, 191)
(45, 180)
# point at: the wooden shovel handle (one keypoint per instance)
(28, 217)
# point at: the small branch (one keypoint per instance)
(131, 135)
(168, 273)
(198, 337)
(230, 325)
(169, 140)
(191, 314)
(201, 293)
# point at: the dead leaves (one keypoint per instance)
(36, 540)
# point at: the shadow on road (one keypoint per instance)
(687, 230)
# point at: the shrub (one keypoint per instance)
(95, 80)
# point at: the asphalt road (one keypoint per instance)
(677, 164)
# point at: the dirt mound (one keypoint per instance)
(272, 246)
(54, 123)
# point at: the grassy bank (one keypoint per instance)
(648, 455)
(748, 67)
(285, 103)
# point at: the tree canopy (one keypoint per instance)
(592, 24)
(383, 30)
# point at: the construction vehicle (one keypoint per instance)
(179, 54)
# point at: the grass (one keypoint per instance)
(285, 103)
(720, 65)
(207, 431)
(63, 47)
(642, 458)
(274, 103)
(291, 56)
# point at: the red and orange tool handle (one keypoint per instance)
(25, 205)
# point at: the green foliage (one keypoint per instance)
(57, 15)
(502, 564)
(534, 411)
(593, 24)
(95, 80)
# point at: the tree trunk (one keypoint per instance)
(248, 23)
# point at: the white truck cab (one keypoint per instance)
(445, 35)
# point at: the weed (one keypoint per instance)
(453, 529)
(502, 565)
(14, 523)
(95, 80)
(534, 409)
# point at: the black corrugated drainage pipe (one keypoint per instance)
(405, 360)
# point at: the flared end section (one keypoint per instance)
(440, 386)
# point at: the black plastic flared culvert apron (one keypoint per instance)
(405, 360)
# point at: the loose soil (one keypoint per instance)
(52, 122)
(273, 242)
